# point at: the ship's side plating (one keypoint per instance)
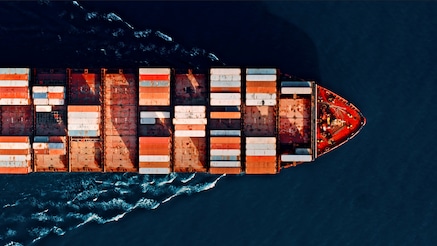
(160, 120)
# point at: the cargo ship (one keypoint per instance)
(161, 120)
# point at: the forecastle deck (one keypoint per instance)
(159, 120)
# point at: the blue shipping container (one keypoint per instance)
(56, 145)
(41, 139)
(83, 133)
(40, 95)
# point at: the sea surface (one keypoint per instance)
(378, 189)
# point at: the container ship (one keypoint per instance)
(161, 120)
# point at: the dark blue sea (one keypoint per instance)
(378, 189)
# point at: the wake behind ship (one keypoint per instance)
(161, 120)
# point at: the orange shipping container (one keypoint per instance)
(14, 77)
(225, 146)
(262, 168)
(154, 96)
(16, 89)
(14, 139)
(154, 140)
(227, 170)
(154, 77)
(261, 84)
(225, 115)
(154, 164)
(159, 101)
(225, 140)
(14, 151)
(41, 151)
(164, 90)
(189, 127)
(14, 170)
(155, 151)
(11, 94)
(261, 90)
(56, 152)
(83, 108)
(260, 159)
(55, 95)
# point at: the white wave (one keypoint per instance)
(43, 216)
(91, 15)
(191, 177)
(164, 36)
(10, 205)
(172, 178)
(77, 4)
(212, 57)
(118, 33)
(12, 243)
(41, 232)
(181, 191)
(212, 184)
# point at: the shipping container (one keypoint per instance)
(231, 152)
(156, 83)
(190, 127)
(121, 153)
(84, 127)
(225, 96)
(12, 158)
(225, 77)
(83, 115)
(225, 115)
(14, 101)
(260, 89)
(56, 95)
(14, 151)
(225, 145)
(145, 91)
(296, 158)
(261, 146)
(14, 139)
(233, 140)
(224, 102)
(154, 158)
(221, 84)
(261, 168)
(225, 89)
(41, 139)
(155, 164)
(147, 121)
(258, 152)
(255, 71)
(154, 150)
(225, 164)
(40, 145)
(154, 102)
(259, 140)
(85, 87)
(154, 70)
(261, 77)
(14, 170)
(250, 84)
(261, 102)
(161, 77)
(260, 96)
(85, 155)
(224, 157)
(189, 133)
(14, 71)
(225, 133)
(260, 121)
(83, 133)
(154, 114)
(40, 89)
(189, 121)
(154, 170)
(56, 161)
(56, 89)
(83, 108)
(43, 108)
(225, 71)
(152, 140)
(191, 115)
(40, 101)
(227, 170)
(16, 120)
(14, 83)
(295, 84)
(190, 108)
(296, 90)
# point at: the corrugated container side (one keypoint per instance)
(57, 152)
(12, 158)
(225, 96)
(157, 170)
(14, 145)
(261, 168)
(154, 164)
(56, 146)
(14, 170)
(225, 133)
(13, 94)
(154, 158)
(251, 152)
(225, 77)
(225, 71)
(82, 133)
(79, 121)
(154, 70)
(145, 91)
(254, 71)
(83, 108)
(14, 151)
(298, 158)
(232, 152)
(154, 102)
(154, 140)
(225, 89)
(14, 71)
(40, 89)
(260, 77)
(40, 145)
(155, 151)
(85, 127)
(14, 77)
(191, 115)
(189, 133)
(296, 90)
(260, 146)
(189, 121)
(155, 77)
(154, 83)
(250, 84)
(223, 102)
(225, 164)
(221, 84)
(83, 115)
(56, 101)
(41, 101)
(224, 157)
(41, 139)
(14, 83)
(225, 140)
(258, 96)
(225, 145)
(147, 121)
(14, 101)
(191, 108)
(227, 170)
(225, 115)
(190, 127)
(56, 89)
(14, 139)
(258, 140)
(55, 95)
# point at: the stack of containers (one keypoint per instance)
(154, 86)
(120, 125)
(261, 155)
(261, 87)
(151, 117)
(48, 95)
(50, 153)
(14, 86)
(189, 137)
(225, 115)
(83, 121)
(15, 154)
(154, 155)
(84, 86)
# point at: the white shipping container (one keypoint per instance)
(39, 89)
(225, 77)
(154, 170)
(265, 146)
(85, 127)
(257, 152)
(147, 121)
(189, 121)
(154, 70)
(14, 145)
(154, 158)
(14, 70)
(43, 108)
(291, 158)
(255, 96)
(192, 115)
(83, 115)
(225, 164)
(85, 121)
(189, 133)
(40, 101)
(57, 89)
(155, 114)
(225, 152)
(225, 71)
(14, 83)
(258, 140)
(14, 101)
(226, 96)
(187, 109)
(14, 163)
(56, 101)
(15, 158)
(40, 145)
(224, 84)
(223, 102)
(225, 133)
(260, 77)
(296, 90)
(261, 102)
(260, 71)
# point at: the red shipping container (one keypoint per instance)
(154, 140)
(154, 77)
(14, 151)
(227, 170)
(14, 77)
(14, 139)
(225, 146)
(55, 95)
(154, 164)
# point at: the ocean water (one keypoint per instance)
(378, 189)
